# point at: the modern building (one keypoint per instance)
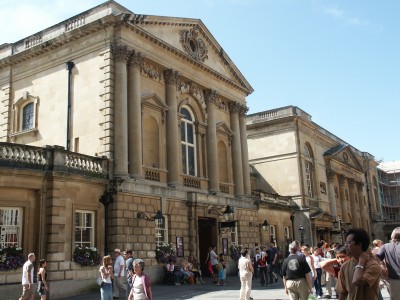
(143, 114)
(389, 191)
(331, 182)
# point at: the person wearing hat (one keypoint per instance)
(119, 267)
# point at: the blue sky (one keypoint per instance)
(337, 60)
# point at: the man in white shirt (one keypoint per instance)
(119, 267)
(27, 279)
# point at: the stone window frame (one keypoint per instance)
(234, 235)
(18, 114)
(184, 122)
(309, 170)
(8, 216)
(158, 235)
(286, 231)
(272, 233)
(92, 227)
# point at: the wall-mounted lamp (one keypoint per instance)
(158, 218)
(264, 225)
(227, 213)
(301, 229)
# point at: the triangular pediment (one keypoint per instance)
(343, 154)
(191, 39)
(224, 128)
(153, 100)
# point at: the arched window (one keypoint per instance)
(309, 170)
(27, 116)
(188, 142)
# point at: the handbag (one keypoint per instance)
(99, 280)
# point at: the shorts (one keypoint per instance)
(26, 291)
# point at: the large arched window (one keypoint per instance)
(308, 170)
(188, 142)
(27, 116)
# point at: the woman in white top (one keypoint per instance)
(310, 261)
(246, 274)
(317, 282)
(106, 272)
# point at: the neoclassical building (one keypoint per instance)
(333, 185)
(142, 114)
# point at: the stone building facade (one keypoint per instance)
(328, 179)
(161, 102)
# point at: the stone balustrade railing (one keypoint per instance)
(22, 154)
(191, 182)
(152, 174)
(51, 158)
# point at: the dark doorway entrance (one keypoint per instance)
(207, 237)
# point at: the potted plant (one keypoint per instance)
(86, 256)
(164, 252)
(11, 258)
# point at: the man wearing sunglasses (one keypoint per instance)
(359, 277)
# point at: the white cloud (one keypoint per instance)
(341, 15)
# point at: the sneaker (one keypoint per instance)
(327, 297)
(319, 297)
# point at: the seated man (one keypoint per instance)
(170, 267)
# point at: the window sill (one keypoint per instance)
(32, 132)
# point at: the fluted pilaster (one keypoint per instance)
(352, 193)
(330, 175)
(343, 200)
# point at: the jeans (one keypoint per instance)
(272, 273)
(128, 288)
(106, 291)
(317, 282)
(263, 273)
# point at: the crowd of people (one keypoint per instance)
(353, 271)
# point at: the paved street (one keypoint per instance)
(209, 291)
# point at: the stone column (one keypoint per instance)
(120, 55)
(135, 147)
(343, 200)
(212, 153)
(235, 108)
(330, 175)
(171, 80)
(245, 151)
(363, 211)
(354, 216)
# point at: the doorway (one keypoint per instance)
(207, 237)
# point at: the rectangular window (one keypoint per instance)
(272, 232)
(287, 232)
(10, 226)
(162, 233)
(84, 228)
(234, 236)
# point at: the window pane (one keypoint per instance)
(78, 236)
(184, 168)
(88, 220)
(183, 129)
(77, 219)
(186, 114)
(190, 133)
(27, 117)
(191, 161)
(86, 235)
(10, 229)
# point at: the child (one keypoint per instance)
(221, 270)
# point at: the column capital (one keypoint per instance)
(120, 52)
(238, 108)
(330, 174)
(210, 96)
(135, 59)
(171, 77)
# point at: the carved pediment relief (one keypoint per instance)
(345, 156)
(224, 128)
(193, 44)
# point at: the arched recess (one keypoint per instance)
(223, 162)
(194, 105)
(309, 175)
(151, 142)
